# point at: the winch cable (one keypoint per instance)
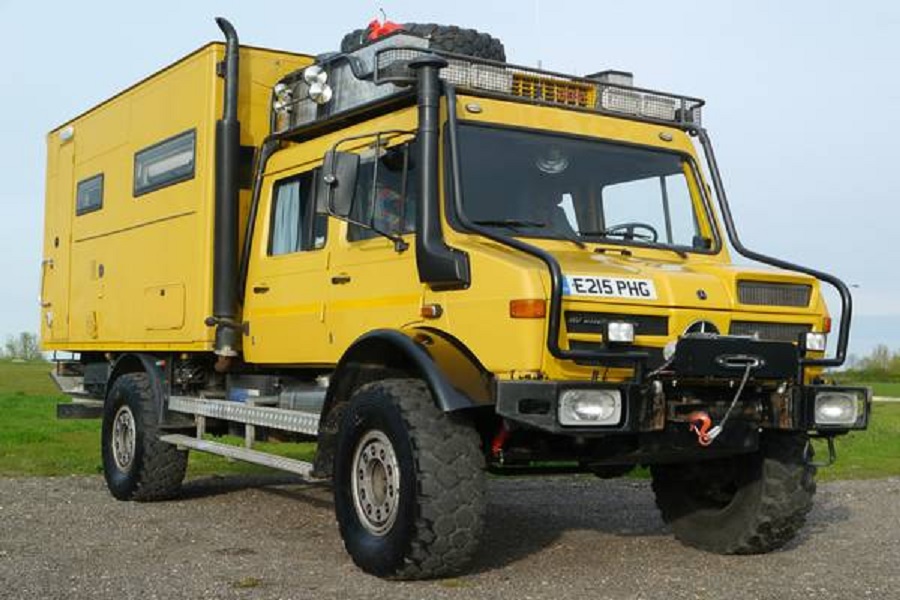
(715, 431)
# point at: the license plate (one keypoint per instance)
(609, 287)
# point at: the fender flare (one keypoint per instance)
(455, 377)
(156, 369)
(138, 362)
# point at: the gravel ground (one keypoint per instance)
(270, 537)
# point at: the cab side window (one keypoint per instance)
(297, 225)
(392, 206)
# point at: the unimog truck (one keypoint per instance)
(437, 265)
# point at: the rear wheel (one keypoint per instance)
(409, 483)
(748, 504)
(136, 464)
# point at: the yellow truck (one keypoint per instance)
(437, 265)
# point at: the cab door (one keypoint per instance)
(373, 283)
(284, 309)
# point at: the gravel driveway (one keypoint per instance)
(547, 538)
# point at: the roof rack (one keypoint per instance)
(341, 84)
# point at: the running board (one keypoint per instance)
(273, 461)
(247, 413)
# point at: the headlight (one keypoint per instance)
(590, 407)
(620, 331)
(838, 408)
(816, 341)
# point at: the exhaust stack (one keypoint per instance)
(225, 244)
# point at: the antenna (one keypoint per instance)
(537, 30)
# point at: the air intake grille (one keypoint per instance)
(763, 293)
(778, 332)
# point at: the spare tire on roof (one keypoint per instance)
(448, 38)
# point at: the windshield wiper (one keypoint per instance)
(515, 224)
(638, 243)
(511, 223)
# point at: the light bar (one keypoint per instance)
(609, 91)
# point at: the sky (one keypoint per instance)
(803, 105)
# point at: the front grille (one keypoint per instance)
(594, 322)
(764, 293)
(778, 332)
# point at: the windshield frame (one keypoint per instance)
(459, 220)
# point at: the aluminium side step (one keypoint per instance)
(291, 465)
(247, 413)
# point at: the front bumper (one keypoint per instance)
(703, 375)
(647, 407)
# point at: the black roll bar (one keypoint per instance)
(846, 298)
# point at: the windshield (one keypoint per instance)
(553, 186)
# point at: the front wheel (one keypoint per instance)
(409, 483)
(748, 504)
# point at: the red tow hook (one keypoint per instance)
(499, 441)
(700, 424)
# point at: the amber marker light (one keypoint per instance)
(528, 308)
(432, 311)
(826, 326)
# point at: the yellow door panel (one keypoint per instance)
(372, 286)
(286, 309)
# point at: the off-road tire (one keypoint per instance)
(771, 493)
(448, 38)
(440, 515)
(158, 468)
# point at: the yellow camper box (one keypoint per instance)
(129, 205)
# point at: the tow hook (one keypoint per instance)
(498, 442)
(700, 424)
(700, 420)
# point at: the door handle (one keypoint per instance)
(340, 279)
(260, 289)
(46, 264)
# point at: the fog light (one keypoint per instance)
(816, 341)
(837, 408)
(620, 331)
(590, 407)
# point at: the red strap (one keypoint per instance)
(378, 29)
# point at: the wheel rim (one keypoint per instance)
(124, 436)
(376, 482)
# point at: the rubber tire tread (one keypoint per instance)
(450, 498)
(449, 38)
(159, 467)
(772, 508)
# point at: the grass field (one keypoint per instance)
(34, 442)
(891, 390)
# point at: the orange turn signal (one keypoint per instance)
(826, 326)
(431, 311)
(528, 308)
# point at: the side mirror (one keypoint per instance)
(338, 182)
